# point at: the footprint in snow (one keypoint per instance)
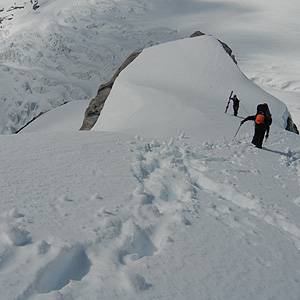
(297, 201)
(71, 263)
(134, 281)
(17, 235)
(134, 243)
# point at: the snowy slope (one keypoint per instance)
(67, 117)
(191, 80)
(165, 205)
(142, 213)
(63, 50)
(124, 218)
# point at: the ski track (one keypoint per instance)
(175, 181)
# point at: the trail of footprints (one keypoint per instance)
(176, 172)
(172, 178)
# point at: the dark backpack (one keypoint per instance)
(264, 108)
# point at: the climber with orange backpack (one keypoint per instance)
(263, 121)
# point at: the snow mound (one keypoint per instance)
(67, 117)
(183, 87)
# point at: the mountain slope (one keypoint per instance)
(141, 213)
(64, 49)
(61, 51)
(191, 79)
(102, 216)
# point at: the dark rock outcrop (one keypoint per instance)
(291, 126)
(96, 105)
(10, 16)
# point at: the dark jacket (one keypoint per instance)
(263, 127)
(236, 101)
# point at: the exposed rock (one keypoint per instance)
(35, 6)
(196, 33)
(96, 105)
(291, 126)
(228, 50)
(15, 7)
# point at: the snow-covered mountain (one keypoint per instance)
(63, 50)
(158, 200)
(53, 52)
(173, 79)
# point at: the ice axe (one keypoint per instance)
(237, 131)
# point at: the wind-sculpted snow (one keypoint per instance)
(157, 218)
(189, 79)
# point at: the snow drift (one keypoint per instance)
(191, 80)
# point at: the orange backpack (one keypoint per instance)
(260, 118)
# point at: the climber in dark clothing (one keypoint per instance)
(236, 104)
(263, 121)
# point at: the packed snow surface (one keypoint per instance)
(108, 216)
(158, 201)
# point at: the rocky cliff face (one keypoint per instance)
(290, 126)
(96, 105)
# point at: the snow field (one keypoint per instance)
(183, 202)
(174, 209)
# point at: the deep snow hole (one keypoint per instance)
(70, 264)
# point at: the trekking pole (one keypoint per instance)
(237, 132)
